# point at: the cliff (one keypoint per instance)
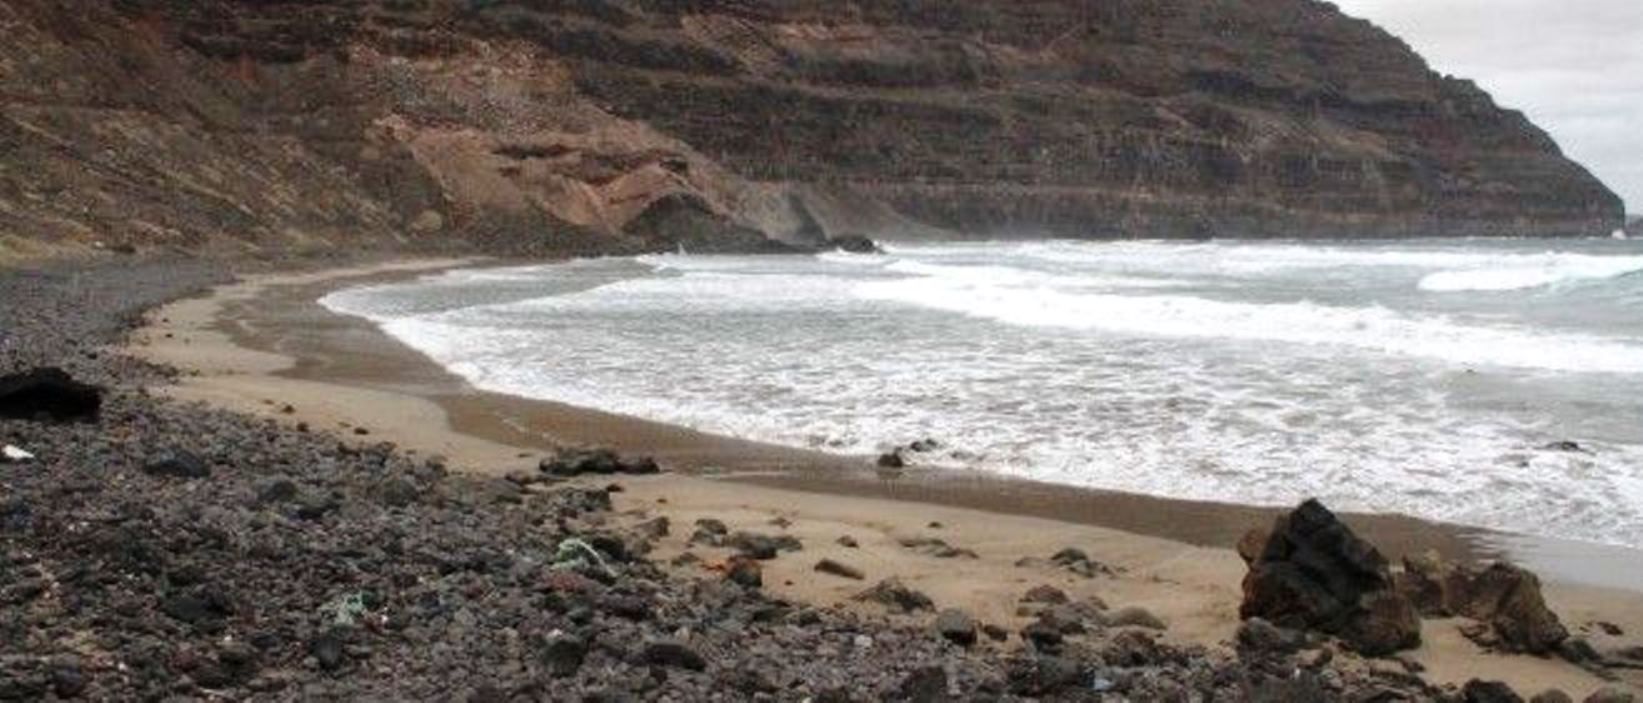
(624, 125)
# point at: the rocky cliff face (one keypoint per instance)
(616, 125)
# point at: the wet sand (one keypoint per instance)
(265, 344)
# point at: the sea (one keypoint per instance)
(1493, 383)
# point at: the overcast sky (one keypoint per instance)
(1575, 66)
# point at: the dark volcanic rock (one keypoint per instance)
(204, 606)
(1076, 561)
(579, 462)
(1044, 675)
(762, 547)
(855, 244)
(1478, 691)
(48, 393)
(956, 626)
(327, 648)
(1313, 573)
(1505, 599)
(892, 460)
(672, 652)
(892, 594)
(1044, 594)
(178, 463)
(745, 571)
(1261, 636)
(562, 654)
(926, 685)
(1566, 446)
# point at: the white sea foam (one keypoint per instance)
(1550, 271)
(992, 296)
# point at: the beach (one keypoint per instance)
(263, 347)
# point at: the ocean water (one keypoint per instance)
(1427, 378)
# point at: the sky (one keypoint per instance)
(1574, 66)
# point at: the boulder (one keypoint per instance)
(745, 571)
(925, 685)
(1427, 582)
(1478, 691)
(1044, 675)
(1076, 561)
(1044, 594)
(1509, 599)
(276, 491)
(1043, 635)
(1551, 695)
(1505, 599)
(48, 394)
(672, 652)
(1135, 617)
(178, 463)
(397, 492)
(762, 547)
(1313, 573)
(956, 626)
(892, 594)
(1257, 635)
(892, 460)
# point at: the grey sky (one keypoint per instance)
(1575, 66)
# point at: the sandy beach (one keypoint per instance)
(263, 346)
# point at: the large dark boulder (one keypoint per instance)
(49, 394)
(1312, 573)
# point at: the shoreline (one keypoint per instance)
(273, 326)
(262, 344)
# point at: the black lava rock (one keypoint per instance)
(674, 653)
(50, 394)
(178, 463)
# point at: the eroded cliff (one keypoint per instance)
(620, 125)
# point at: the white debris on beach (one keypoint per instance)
(14, 455)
